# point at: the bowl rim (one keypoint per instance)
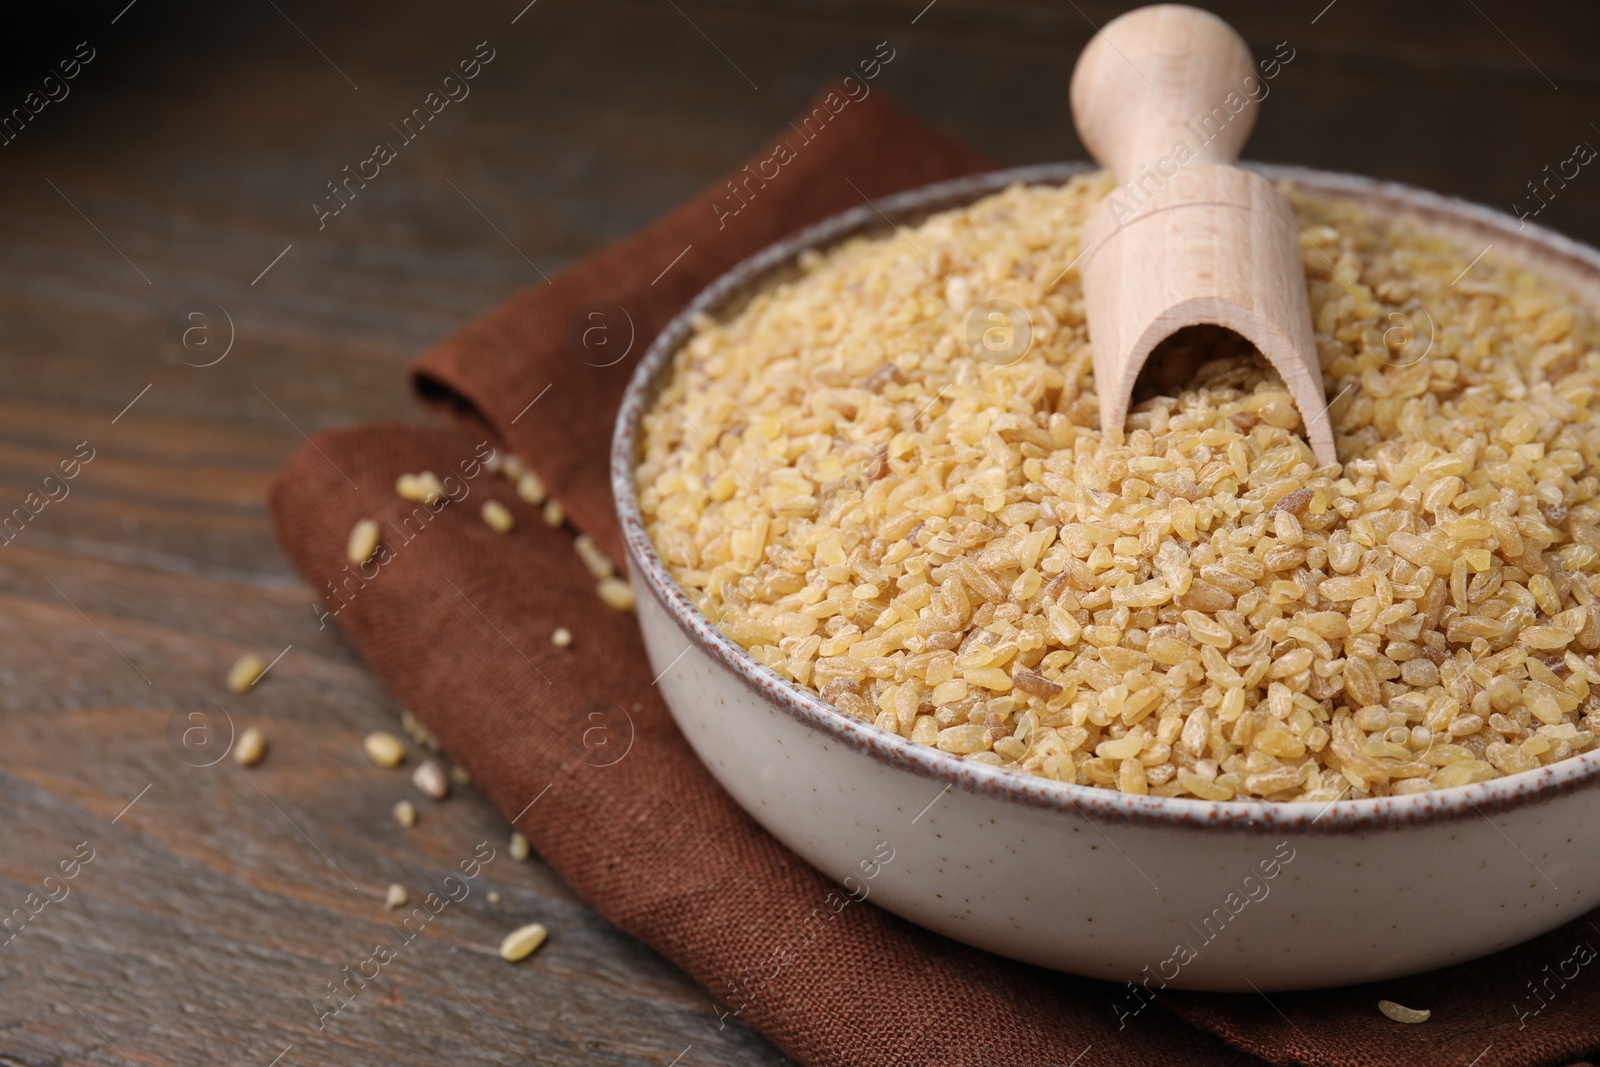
(1095, 804)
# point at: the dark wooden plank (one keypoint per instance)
(218, 906)
(195, 144)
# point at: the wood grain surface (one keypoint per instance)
(179, 175)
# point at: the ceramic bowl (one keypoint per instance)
(1156, 891)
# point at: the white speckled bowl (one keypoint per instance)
(1157, 891)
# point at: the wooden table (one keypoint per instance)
(179, 176)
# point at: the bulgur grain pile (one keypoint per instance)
(952, 549)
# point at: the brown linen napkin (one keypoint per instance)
(575, 745)
(567, 337)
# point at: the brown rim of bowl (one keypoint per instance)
(1547, 251)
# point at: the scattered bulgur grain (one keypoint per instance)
(594, 559)
(417, 732)
(1402, 1014)
(513, 468)
(250, 748)
(554, 514)
(424, 488)
(498, 516)
(523, 942)
(1294, 503)
(397, 897)
(530, 488)
(384, 749)
(562, 638)
(459, 775)
(493, 897)
(363, 542)
(405, 813)
(519, 846)
(430, 777)
(244, 672)
(617, 593)
(957, 553)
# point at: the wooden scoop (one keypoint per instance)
(1164, 97)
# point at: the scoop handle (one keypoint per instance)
(1161, 76)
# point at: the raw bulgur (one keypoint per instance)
(1191, 607)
